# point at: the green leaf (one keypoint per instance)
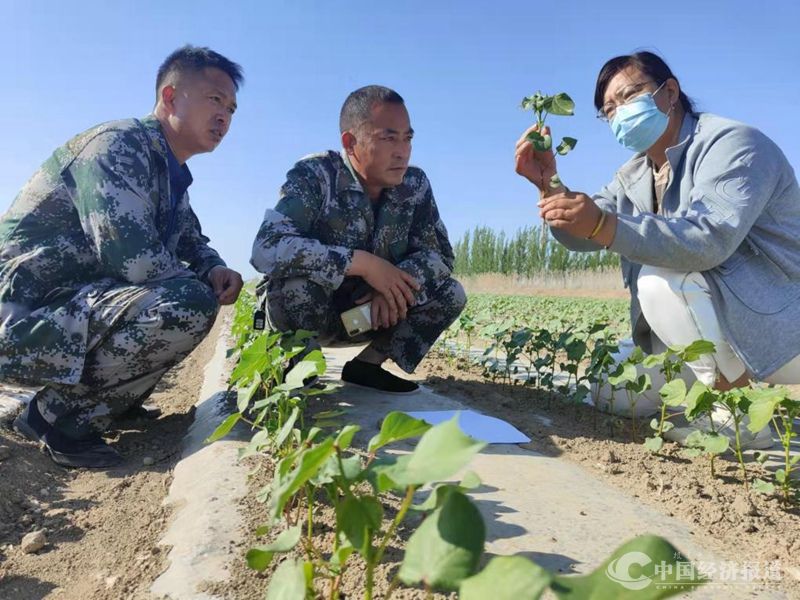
(506, 578)
(436, 498)
(697, 349)
(763, 487)
(654, 444)
(699, 400)
(345, 437)
(560, 104)
(446, 547)
(254, 358)
(667, 426)
(397, 426)
(286, 428)
(359, 519)
(243, 396)
(673, 393)
(313, 364)
(714, 443)
(637, 570)
(762, 406)
(224, 428)
(471, 480)
(310, 461)
(567, 145)
(340, 556)
(653, 360)
(440, 453)
(654, 424)
(258, 558)
(352, 466)
(628, 373)
(535, 137)
(288, 582)
(780, 475)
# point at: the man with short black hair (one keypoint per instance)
(106, 279)
(361, 226)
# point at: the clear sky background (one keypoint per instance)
(462, 67)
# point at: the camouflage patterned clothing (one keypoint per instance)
(305, 247)
(101, 280)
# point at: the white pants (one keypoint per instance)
(678, 308)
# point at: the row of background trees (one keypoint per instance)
(528, 252)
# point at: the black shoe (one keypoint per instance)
(374, 377)
(149, 412)
(91, 452)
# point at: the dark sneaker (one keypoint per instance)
(91, 452)
(371, 376)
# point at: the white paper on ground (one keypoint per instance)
(482, 427)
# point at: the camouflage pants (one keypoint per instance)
(136, 333)
(298, 303)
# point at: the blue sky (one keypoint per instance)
(462, 67)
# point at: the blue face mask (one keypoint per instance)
(638, 124)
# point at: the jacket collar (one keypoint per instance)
(158, 142)
(347, 179)
(636, 168)
(636, 175)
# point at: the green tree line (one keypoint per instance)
(529, 251)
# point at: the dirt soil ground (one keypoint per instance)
(101, 527)
(747, 527)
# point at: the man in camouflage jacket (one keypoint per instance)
(357, 226)
(106, 279)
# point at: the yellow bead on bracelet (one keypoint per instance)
(600, 222)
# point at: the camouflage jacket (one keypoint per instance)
(323, 215)
(97, 213)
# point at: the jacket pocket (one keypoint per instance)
(757, 281)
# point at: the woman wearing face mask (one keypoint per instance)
(706, 220)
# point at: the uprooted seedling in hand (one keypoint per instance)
(542, 106)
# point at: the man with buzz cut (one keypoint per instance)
(106, 279)
(361, 226)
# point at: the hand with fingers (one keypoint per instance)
(397, 287)
(379, 311)
(226, 284)
(537, 166)
(381, 314)
(572, 212)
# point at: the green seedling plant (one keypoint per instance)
(634, 383)
(242, 332)
(431, 558)
(699, 402)
(543, 106)
(774, 405)
(467, 325)
(673, 393)
(601, 363)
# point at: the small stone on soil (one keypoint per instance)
(33, 542)
(148, 461)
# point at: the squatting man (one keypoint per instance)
(106, 279)
(361, 226)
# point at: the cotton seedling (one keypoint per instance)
(543, 106)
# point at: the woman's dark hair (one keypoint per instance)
(648, 63)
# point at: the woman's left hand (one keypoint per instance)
(572, 212)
